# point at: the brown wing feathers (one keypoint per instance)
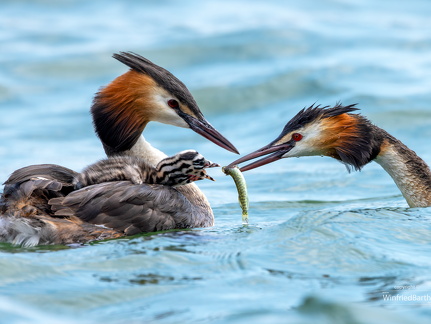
(125, 207)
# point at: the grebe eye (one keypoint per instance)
(173, 103)
(296, 137)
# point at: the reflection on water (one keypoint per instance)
(323, 245)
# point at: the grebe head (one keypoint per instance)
(184, 167)
(145, 93)
(325, 131)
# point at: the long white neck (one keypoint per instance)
(410, 173)
(145, 150)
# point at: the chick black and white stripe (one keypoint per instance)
(179, 169)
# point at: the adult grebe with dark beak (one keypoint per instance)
(120, 113)
(353, 140)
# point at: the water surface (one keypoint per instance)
(322, 246)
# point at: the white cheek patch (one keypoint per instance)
(166, 114)
(308, 145)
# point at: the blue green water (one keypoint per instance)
(323, 245)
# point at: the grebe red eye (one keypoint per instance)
(296, 137)
(173, 103)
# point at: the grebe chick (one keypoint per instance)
(179, 169)
(353, 140)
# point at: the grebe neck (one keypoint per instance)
(144, 150)
(410, 173)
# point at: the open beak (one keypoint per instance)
(277, 153)
(202, 127)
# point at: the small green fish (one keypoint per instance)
(241, 187)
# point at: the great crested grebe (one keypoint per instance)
(120, 112)
(353, 140)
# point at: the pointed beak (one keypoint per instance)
(209, 164)
(204, 128)
(277, 153)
